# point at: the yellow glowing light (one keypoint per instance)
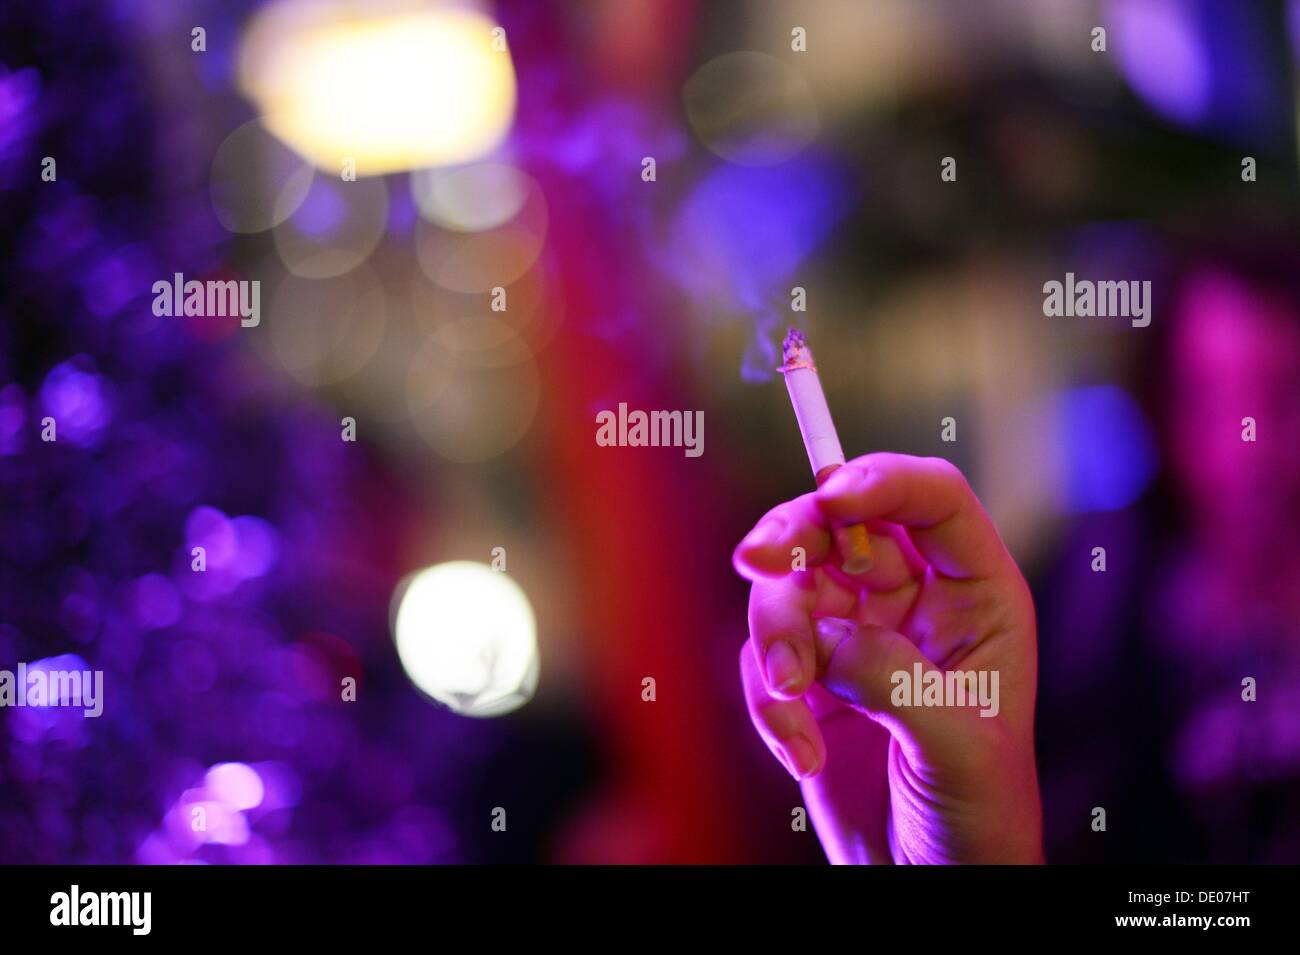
(391, 90)
(467, 637)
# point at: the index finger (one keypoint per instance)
(929, 497)
(769, 549)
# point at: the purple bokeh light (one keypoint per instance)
(1163, 56)
(1109, 450)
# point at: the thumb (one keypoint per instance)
(864, 664)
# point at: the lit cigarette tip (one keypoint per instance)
(795, 351)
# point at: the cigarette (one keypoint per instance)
(821, 441)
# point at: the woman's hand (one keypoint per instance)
(824, 667)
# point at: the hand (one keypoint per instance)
(885, 782)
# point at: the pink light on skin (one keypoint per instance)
(886, 782)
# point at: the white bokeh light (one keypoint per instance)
(466, 636)
(470, 198)
(393, 86)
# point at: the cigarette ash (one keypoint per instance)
(795, 351)
(793, 344)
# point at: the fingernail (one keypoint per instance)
(801, 758)
(765, 534)
(783, 668)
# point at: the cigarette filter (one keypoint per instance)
(821, 441)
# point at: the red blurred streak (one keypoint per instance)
(634, 523)
(631, 513)
(643, 46)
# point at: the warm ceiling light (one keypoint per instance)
(390, 89)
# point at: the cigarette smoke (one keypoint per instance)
(759, 361)
(742, 239)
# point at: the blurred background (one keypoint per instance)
(503, 265)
